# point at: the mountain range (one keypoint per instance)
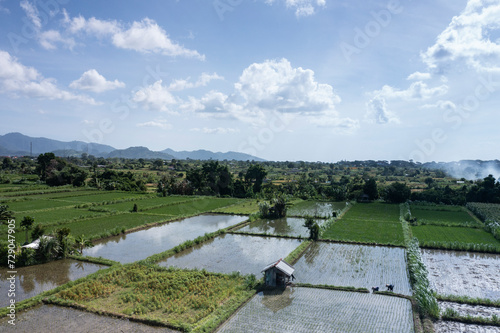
(17, 144)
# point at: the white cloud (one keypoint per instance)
(93, 81)
(145, 36)
(467, 38)
(417, 90)
(445, 105)
(160, 123)
(202, 81)
(274, 86)
(156, 97)
(20, 80)
(49, 38)
(217, 130)
(32, 13)
(302, 7)
(376, 111)
(419, 76)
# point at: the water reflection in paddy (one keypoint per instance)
(290, 226)
(33, 280)
(144, 243)
(228, 253)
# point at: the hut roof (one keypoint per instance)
(282, 265)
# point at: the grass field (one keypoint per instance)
(374, 223)
(54, 216)
(147, 203)
(96, 226)
(442, 215)
(101, 196)
(40, 204)
(180, 299)
(244, 207)
(431, 233)
(193, 207)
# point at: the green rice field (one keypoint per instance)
(373, 223)
(443, 215)
(431, 233)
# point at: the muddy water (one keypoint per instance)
(305, 310)
(228, 253)
(50, 318)
(464, 273)
(472, 310)
(315, 208)
(289, 226)
(454, 327)
(33, 280)
(144, 243)
(359, 266)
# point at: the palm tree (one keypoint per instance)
(27, 224)
(82, 243)
(48, 249)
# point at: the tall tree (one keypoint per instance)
(256, 174)
(370, 189)
(27, 225)
(397, 193)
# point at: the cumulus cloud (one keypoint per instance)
(91, 80)
(302, 7)
(274, 86)
(419, 76)
(377, 112)
(156, 97)
(468, 38)
(145, 36)
(159, 123)
(20, 80)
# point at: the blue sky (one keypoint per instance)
(316, 80)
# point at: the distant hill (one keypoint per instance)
(208, 155)
(17, 144)
(139, 152)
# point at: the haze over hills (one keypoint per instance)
(17, 144)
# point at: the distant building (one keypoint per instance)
(278, 274)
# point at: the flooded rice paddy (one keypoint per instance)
(230, 252)
(455, 327)
(314, 310)
(287, 226)
(144, 243)
(315, 208)
(463, 273)
(359, 266)
(50, 318)
(33, 280)
(472, 310)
